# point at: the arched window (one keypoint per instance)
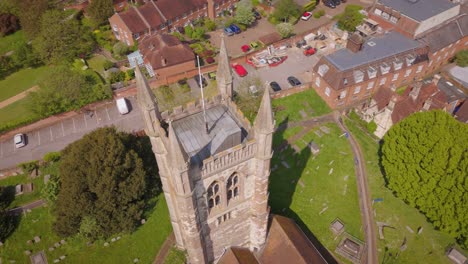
(214, 199)
(232, 187)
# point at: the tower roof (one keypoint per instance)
(178, 156)
(223, 75)
(264, 123)
(146, 98)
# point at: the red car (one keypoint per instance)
(240, 70)
(308, 51)
(245, 48)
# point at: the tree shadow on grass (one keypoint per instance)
(283, 182)
(9, 220)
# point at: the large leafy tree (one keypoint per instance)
(425, 160)
(285, 9)
(350, 18)
(7, 195)
(62, 38)
(244, 14)
(30, 13)
(461, 58)
(100, 10)
(104, 178)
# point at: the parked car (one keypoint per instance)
(301, 43)
(235, 28)
(306, 16)
(240, 70)
(329, 3)
(245, 48)
(228, 31)
(308, 51)
(336, 2)
(275, 86)
(20, 140)
(122, 106)
(257, 14)
(254, 44)
(197, 80)
(293, 81)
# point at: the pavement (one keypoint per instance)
(57, 136)
(25, 208)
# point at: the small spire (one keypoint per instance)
(223, 74)
(264, 122)
(178, 156)
(145, 96)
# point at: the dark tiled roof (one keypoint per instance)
(133, 20)
(286, 243)
(419, 10)
(159, 47)
(238, 255)
(462, 113)
(447, 34)
(382, 97)
(373, 49)
(452, 92)
(172, 9)
(151, 15)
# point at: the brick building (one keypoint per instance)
(163, 16)
(350, 75)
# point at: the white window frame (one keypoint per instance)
(393, 19)
(408, 72)
(395, 77)
(370, 85)
(358, 76)
(385, 15)
(343, 94)
(370, 73)
(378, 12)
(397, 65)
(383, 81)
(420, 67)
(327, 91)
(357, 89)
(323, 69)
(317, 81)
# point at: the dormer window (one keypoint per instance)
(393, 19)
(358, 76)
(372, 72)
(378, 12)
(397, 64)
(345, 81)
(323, 69)
(410, 59)
(384, 68)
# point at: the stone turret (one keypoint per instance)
(224, 75)
(148, 104)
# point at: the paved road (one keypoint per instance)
(24, 208)
(364, 198)
(59, 135)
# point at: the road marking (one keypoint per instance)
(51, 135)
(1, 149)
(63, 130)
(74, 126)
(84, 117)
(97, 117)
(108, 116)
(39, 138)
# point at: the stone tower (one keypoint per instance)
(215, 182)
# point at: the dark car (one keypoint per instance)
(257, 14)
(301, 43)
(228, 31)
(336, 2)
(197, 80)
(235, 28)
(293, 81)
(275, 86)
(329, 3)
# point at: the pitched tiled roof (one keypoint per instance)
(133, 20)
(238, 255)
(163, 50)
(382, 97)
(151, 15)
(419, 10)
(172, 9)
(462, 113)
(286, 243)
(446, 34)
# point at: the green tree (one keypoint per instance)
(51, 189)
(24, 56)
(103, 176)
(99, 11)
(461, 58)
(7, 194)
(120, 49)
(89, 227)
(285, 29)
(285, 9)
(244, 14)
(61, 38)
(30, 13)
(350, 18)
(426, 163)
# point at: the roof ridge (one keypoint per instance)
(159, 11)
(142, 18)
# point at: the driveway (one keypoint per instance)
(59, 135)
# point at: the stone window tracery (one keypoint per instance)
(232, 187)
(214, 197)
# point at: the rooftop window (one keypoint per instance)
(323, 69)
(384, 68)
(358, 76)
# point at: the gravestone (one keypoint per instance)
(37, 239)
(106, 244)
(63, 242)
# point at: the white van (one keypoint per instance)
(122, 106)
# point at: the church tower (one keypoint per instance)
(215, 182)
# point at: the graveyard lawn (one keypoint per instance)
(430, 245)
(137, 245)
(315, 190)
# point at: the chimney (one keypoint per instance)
(392, 102)
(436, 78)
(415, 91)
(427, 104)
(355, 43)
(163, 62)
(211, 10)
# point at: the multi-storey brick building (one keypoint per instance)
(163, 16)
(350, 75)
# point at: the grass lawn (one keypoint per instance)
(143, 244)
(290, 106)
(310, 191)
(11, 42)
(97, 64)
(175, 256)
(429, 246)
(21, 81)
(15, 113)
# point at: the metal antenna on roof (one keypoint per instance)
(202, 94)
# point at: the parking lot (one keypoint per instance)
(59, 135)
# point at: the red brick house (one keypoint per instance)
(164, 54)
(163, 16)
(353, 74)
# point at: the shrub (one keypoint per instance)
(320, 13)
(28, 167)
(209, 60)
(310, 6)
(129, 75)
(167, 92)
(371, 127)
(210, 25)
(242, 27)
(188, 31)
(107, 65)
(461, 58)
(120, 49)
(52, 157)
